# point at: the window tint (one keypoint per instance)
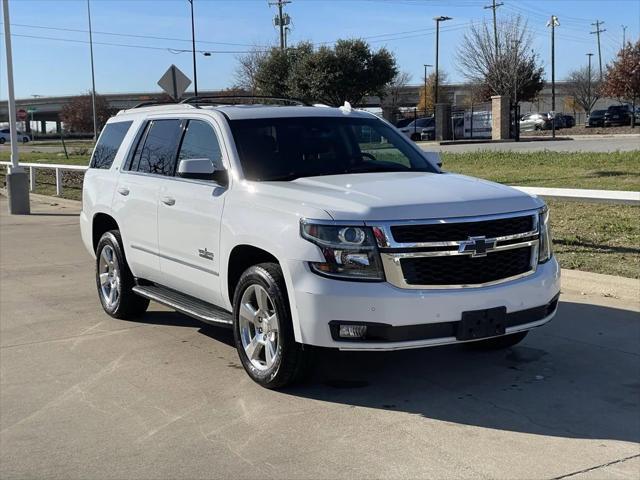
(200, 142)
(158, 155)
(108, 144)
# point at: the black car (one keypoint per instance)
(617, 115)
(568, 120)
(596, 118)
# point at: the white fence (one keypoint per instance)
(578, 194)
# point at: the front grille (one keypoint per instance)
(451, 232)
(465, 269)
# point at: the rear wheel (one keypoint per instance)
(115, 281)
(263, 330)
(497, 343)
(415, 137)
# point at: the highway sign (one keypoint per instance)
(32, 109)
(21, 114)
(174, 82)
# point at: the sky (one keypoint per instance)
(51, 50)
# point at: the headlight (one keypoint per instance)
(350, 252)
(545, 249)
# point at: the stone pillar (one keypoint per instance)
(443, 121)
(500, 118)
(43, 126)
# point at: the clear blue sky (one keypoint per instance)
(46, 66)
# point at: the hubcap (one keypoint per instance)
(259, 327)
(109, 276)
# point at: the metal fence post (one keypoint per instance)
(58, 182)
(32, 179)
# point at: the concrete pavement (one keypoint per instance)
(604, 144)
(85, 396)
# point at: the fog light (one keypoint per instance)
(353, 331)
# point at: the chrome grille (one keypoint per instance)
(459, 252)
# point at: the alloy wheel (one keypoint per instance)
(109, 276)
(259, 327)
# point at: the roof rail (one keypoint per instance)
(218, 99)
(151, 103)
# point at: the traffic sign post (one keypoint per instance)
(174, 82)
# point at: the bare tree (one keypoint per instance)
(248, 68)
(583, 90)
(394, 89)
(512, 70)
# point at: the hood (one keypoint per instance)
(400, 196)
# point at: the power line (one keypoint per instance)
(598, 32)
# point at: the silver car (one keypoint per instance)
(420, 129)
(535, 121)
(5, 136)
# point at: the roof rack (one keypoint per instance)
(218, 99)
(152, 103)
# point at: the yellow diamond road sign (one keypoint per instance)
(174, 82)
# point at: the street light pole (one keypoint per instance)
(17, 182)
(193, 50)
(553, 23)
(425, 87)
(438, 20)
(589, 87)
(93, 76)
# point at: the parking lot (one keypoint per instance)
(85, 396)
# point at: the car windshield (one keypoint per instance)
(282, 149)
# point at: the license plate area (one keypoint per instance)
(478, 324)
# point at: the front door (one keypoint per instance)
(189, 216)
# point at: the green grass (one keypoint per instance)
(75, 158)
(593, 237)
(605, 171)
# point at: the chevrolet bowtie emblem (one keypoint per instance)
(477, 246)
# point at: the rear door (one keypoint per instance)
(189, 216)
(136, 198)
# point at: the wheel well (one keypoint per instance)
(102, 223)
(241, 258)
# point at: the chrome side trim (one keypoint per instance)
(173, 259)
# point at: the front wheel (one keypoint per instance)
(263, 330)
(115, 281)
(498, 343)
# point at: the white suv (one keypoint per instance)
(304, 226)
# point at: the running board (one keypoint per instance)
(203, 311)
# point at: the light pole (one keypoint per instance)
(590, 104)
(553, 23)
(93, 77)
(438, 20)
(193, 50)
(426, 65)
(17, 182)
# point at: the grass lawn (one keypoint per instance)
(603, 171)
(594, 237)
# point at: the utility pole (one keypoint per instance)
(589, 87)
(193, 51)
(426, 65)
(438, 20)
(553, 23)
(287, 30)
(17, 181)
(281, 20)
(598, 31)
(624, 35)
(93, 77)
(494, 6)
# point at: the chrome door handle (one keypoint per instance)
(168, 201)
(123, 191)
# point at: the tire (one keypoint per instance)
(498, 343)
(114, 280)
(416, 137)
(25, 139)
(2, 140)
(267, 348)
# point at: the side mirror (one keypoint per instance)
(202, 169)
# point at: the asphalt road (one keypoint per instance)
(604, 144)
(85, 396)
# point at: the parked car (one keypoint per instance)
(403, 122)
(296, 228)
(596, 118)
(420, 129)
(568, 121)
(535, 121)
(617, 115)
(5, 136)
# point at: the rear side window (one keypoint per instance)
(108, 144)
(158, 154)
(200, 141)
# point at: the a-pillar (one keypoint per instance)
(443, 121)
(500, 118)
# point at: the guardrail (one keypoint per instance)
(577, 194)
(59, 168)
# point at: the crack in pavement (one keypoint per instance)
(590, 469)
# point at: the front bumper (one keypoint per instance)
(320, 301)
